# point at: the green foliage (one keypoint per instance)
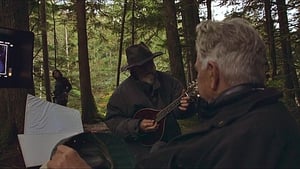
(103, 27)
(104, 20)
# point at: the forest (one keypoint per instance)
(86, 40)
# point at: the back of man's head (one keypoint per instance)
(235, 46)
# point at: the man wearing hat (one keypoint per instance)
(145, 88)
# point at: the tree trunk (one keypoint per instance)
(45, 50)
(270, 33)
(291, 82)
(89, 109)
(173, 43)
(208, 7)
(190, 19)
(121, 41)
(133, 23)
(13, 14)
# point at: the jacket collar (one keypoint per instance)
(232, 105)
(229, 96)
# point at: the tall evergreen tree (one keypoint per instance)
(89, 109)
(190, 19)
(270, 35)
(173, 42)
(13, 14)
(45, 49)
(291, 81)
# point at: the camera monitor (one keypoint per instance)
(16, 58)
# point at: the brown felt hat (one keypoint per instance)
(138, 54)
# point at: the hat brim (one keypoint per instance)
(127, 67)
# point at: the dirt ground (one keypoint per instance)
(11, 157)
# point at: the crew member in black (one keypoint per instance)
(62, 88)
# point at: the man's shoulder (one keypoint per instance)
(126, 82)
(126, 85)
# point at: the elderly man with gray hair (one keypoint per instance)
(244, 123)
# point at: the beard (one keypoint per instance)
(149, 78)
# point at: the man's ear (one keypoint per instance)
(214, 73)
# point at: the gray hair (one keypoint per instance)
(235, 46)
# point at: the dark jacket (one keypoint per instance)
(62, 85)
(246, 127)
(133, 95)
(62, 88)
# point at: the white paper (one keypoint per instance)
(45, 125)
(36, 149)
(43, 117)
